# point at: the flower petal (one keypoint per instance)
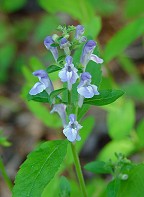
(71, 134)
(87, 92)
(61, 110)
(95, 89)
(72, 118)
(37, 88)
(63, 75)
(78, 137)
(79, 31)
(96, 59)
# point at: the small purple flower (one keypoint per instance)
(60, 109)
(71, 131)
(65, 44)
(48, 42)
(69, 72)
(43, 84)
(85, 88)
(87, 54)
(79, 32)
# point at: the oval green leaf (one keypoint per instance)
(104, 98)
(39, 168)
(98, 167)
(41, 97)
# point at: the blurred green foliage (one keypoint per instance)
(22, 37)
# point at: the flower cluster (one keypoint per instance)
(70, 74)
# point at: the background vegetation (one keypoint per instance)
(118, 27)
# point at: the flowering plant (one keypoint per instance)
(80, 79)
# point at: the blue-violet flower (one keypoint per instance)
(85, 88)
(61, 110)
(65, 44)
(48, 42)
(79, 32)
(43, 84)
(69, 72)
(87, 54)
(71, 131)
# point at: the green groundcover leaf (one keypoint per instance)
(81, 10)
(105, 97)
(98, 167)
(65, 188)
(41, 97)
(39, 168)
(123, 114)
(123, 38)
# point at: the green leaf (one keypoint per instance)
(123, 38)
(88, 125)
(4, 142)
(133, 8)
(93, 27)
(51, 190)
(124, 146)
(104, 8)
(61, 58)
(128, 66)
(105, 97)
(7, 54)
(134, 90)
(43, 114)
(134, 185)
(56, 93)
(65, 189)
(81, 10)
(52, 68)
(95, 71)
(41, 97)
(35, 63)
(45, 26)
(98, 167)
(140, 132)
(121, 120)
(39, 168)
(11, 6)
(113, 187)
(82, 111)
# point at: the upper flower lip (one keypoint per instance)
(79, 31)
(85, 76)
(64, 43)
(90, 45)
(48, 41)
(40, 73)
(43, 84)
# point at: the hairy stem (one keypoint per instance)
(5, 176)
(78, 170)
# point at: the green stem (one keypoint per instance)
(5, 176)
(69, 97)
(78, 170)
